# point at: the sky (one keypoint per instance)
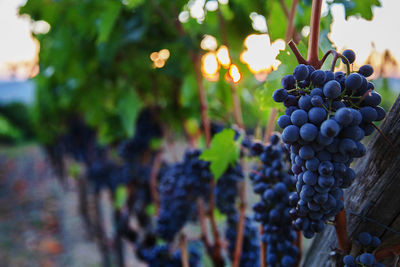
(18, 48)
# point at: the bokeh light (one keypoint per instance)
(234, 73)
(223, 56)
(160, 58)
(209, 43)
(260, 55)
(210, 66)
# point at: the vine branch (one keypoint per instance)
(290, 29)
(314, 34)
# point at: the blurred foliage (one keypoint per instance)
(95, 61)
(18, 118)
(8, 133)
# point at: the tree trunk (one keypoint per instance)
(372, 203)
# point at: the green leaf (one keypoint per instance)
(276, 21)
(156, 143)
(224, 150)
(121, 196)
(128, 107)
(359, 8)
(107, 20)
(74, 170)
(134, 3)
(150, 210)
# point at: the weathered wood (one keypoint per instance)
(372, 203)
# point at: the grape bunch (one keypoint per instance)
(147, 129)
(367, 243)
(250, 248)
(160, 256)
(273, 183)
(179, 189)
(226, 190)
(327, 115)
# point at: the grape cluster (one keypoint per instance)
(250, 249)
(368, 243)
(147, 129)
(180, 188)
(226, 190)
(327, 115)
(273, 182)
(160, 256)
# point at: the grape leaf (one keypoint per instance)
(224, 150)
(359, 8)
(107, 20)
(128, 108)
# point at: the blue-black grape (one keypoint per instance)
(272, 181)
(179, 189)
(368, 244)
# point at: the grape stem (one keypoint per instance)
(203, 226)
(344, 243)
(263, 250)
(184, 252)
(296, 52)
(217, 258)
(298, 245)
(155, 170)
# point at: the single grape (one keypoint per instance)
(301, 72)
(367, 259)
(350, 55)
(332, 89)
(299, 117)
(280, 95)
(353, 82)
(330, 128)
(366, 70)
(317, 77)
(288, 82)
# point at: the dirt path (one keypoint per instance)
(39, 220)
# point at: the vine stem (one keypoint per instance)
(237, 114)
(270, 125)
(299, 246)
(202, 98)
(218, 261)
(290, 29)
(296, 52)
(313, 40)
(387, 252)
(203, 225)
(240, 227)
(263, 250)
(237, 110)
(184, 252)
(341, 231)
(155, 170)
(314, 34)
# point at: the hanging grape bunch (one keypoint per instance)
(327, 115)
(367, 243)
(272, 181)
